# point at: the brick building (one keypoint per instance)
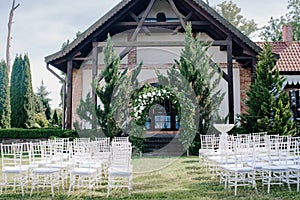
(152, 31)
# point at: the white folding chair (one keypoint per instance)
(120, 170)
(293, 176)
(84, 171)
(102, 152)
(41, 174)
(14, 173)
(278, 160)
(238, 174)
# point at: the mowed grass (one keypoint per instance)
(166, 178)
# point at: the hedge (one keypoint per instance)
(17, 133)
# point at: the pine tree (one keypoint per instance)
(86, 110)
(43, 94)
(55, 118)
(22, 96)
(267, 103)
(195, 68)
(111, 75)
(4, 97)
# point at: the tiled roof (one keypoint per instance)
(289, 53)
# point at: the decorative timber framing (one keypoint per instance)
(133, 15)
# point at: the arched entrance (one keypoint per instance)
(157, 108)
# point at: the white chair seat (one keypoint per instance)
(283, 163)
(257, 165)
(17, 169)
(271, 158)
(294, 167)
(275, 168)
(84, 171)
(238, 169)
(57, 165)
(45, 170)
(119, 171)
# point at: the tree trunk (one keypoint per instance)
(10, 22)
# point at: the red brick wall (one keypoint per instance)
(245, 81)
(287, 33)
(132, 58)
(77, 94)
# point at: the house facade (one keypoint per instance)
(152, 32)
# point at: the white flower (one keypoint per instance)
(153, 93)
(149, 94)
(144, 96)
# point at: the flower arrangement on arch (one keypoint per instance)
(148, 96)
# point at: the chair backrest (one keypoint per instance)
(81, 150)
(259, 137)
(11, 155)
(121, 155)
(103, 144)
(120, 139)
(209, 142)
(296, 150)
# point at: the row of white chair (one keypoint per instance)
(55, 162)
(245, 159)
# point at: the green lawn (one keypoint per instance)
(168, 178)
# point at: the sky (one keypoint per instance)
(41, 26)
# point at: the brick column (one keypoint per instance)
(77, 94)
(245, 82)
(132, 58)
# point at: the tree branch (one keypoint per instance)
(8, 45)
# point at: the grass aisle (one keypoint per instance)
(167, 178)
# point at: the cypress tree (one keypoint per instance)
(42, 93)
(267, 103)
(55, 118)
(4, 97)
(111, 75)
(22, 96)
(195, 68)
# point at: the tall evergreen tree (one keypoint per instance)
(267, 103)
(195, 67)
(43, 94)
(4, 97)
(22, 96)
(55, 118)
(111, 76)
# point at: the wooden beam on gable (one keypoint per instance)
(177, 13)
(81, 59)
(159, 43)
(138, 28)
(185, 20)
(147, 31)
(164, 24)
(208, 17)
